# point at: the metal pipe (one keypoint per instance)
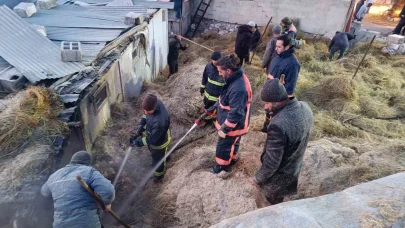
(261, 38)
(364, 56)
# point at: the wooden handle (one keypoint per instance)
(100, 201)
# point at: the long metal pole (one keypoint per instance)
(364, 56)
(261, 38)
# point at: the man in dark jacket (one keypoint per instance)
(289, 28)
(74, 207)
(154, 132)
(243, 42)
(288, 134)
(340, 42)
(285, 66)
(401, 23)
(255, 37)
(211, 84)
(173, 57)
(233, 112)
(270, 52)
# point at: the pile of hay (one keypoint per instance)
(32, 113)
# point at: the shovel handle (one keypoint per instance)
(100, 201)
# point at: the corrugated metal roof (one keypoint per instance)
(85, 17)
(154, 4)
(34, 55)
(120, 3)
(69, 98)
(82, 34)
(3, 64)
(89, 51)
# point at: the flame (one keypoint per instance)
(379, 10)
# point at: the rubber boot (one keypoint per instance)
(218, 168)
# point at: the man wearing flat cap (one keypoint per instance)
(74, 206)
(288, 130)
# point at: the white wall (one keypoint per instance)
(158, 43)
(317, 16)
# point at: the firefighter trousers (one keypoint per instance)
(157, 156)
(227, 150)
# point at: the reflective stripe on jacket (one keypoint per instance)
(157, 127)
(234, 104)
(212, 82)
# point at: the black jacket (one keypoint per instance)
(174, 47)
(243, 40)
(157, 127)
(286, 63)
(212, 82)
(341, 40)
(287, 138)
(255, 39)
(234, 104)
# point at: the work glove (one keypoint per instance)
(223, 131)
(200, 119)
(138, 142)
(139, 131)
(202, 90)
(132, 139)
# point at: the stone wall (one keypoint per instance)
(316, 16)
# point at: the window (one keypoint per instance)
(99, 96)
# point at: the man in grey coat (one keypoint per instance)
(270, 52)
(288, 130)
(74, 206)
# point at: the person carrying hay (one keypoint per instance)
(74, 207)
(154, 131)
(288, 130)
(233, 112)
(285, 66)
(211, 84)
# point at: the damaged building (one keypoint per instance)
(94, 55)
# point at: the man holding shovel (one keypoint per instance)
(154, 132)
(74, 207)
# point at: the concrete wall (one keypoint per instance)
(317, 16)
(158, 47)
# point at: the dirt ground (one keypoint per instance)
(358, 136)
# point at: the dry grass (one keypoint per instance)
(31, 113)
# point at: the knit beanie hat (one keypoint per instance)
(81, 157)
(276, 29)
(287, 21)
(149, 102)
(273, 91)
(216, 55)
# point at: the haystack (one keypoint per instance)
(331, 89)
(30, 114)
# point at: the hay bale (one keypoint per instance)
(330, 89)
(31, 113)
